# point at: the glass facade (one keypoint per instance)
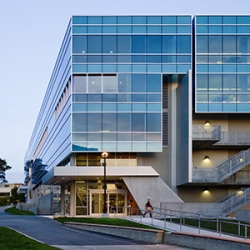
(222, 64)
(118, 65)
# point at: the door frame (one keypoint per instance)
(108, 192)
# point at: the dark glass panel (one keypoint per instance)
(153, 83)
(79, 122)
(79, 44)
(138, 122)
(138, 98)
(153, 122)
(94, 97)
(153, 44)
(138, 83)
(154, 59)
(94, 44)
(94, 122)
(109, 98)
(109, 122)
(215, 44)
(139, 59)
(79, 98)
(109, 44)
(79, 59)
(123, 122)
(138, 44)
(94, 59)
(124, 44)
(229, 44)
(183, 44)
(168, 44)
(202, 44)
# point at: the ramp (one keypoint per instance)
(153, 188)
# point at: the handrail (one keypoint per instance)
(171, 216)
(224, 170)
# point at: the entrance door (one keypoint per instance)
(116, 201)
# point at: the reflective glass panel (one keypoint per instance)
(94, 122)
(79, 84)
(109, 44)
(79, 44)
(153, 44)
(138, 83)
(124, 44)
(168, 44)
(79, 122)
(124, 83)
(94, 44)
(138, 44)
(138, 122)
(123, 122)
(95, 84)
(110, 83)
(109, 122)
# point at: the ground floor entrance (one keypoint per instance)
(116, 201)
(87, 198)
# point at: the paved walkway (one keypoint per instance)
(51, 232)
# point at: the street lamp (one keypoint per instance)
(104, 156)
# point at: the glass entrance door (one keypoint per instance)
(116, 201)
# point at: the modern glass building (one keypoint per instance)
(141, 88)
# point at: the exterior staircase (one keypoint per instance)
(223, 171)
(234, 201)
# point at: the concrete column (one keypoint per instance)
(63, 199)
(72, 211)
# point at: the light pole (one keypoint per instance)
(104, 156)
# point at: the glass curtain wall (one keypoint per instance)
(117, 79)
(222, 64)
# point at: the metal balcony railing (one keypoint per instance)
(223, 171)
(234, 138)
(201, 132)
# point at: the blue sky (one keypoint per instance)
(31, 33)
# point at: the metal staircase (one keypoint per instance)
(234, 201)
(223, 171)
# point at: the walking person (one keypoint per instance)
(148, 208)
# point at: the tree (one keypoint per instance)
(15, 197)
(3, 168)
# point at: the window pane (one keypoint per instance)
(95, 84)
(215, 44)
(169, 44)
(94, 122)
(138, 83)
(123, 122)
(183, 44)
(154, 44)
(79, 122)
(229, 44)
(124, 83)
(153, 83)
(79, 44)
(202, 44)
(124, 44)
(94, 44)
(138, 122)
(80, 84)
(109, 122)
(139, 44)
(153, 122)
(202, 83)
(109, 44)
(229, 83)
(215, 83)
(109, 83)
